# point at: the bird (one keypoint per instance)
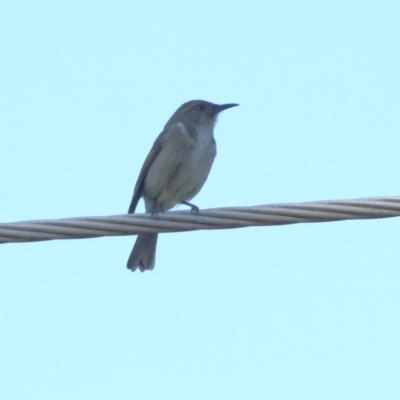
(175, 170)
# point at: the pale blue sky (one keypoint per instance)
(293, 312)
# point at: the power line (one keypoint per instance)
(215, 218)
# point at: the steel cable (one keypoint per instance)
(216, 218)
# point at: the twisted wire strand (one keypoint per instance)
(215, 218)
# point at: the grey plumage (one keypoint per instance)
(143, 254)
(175, 169)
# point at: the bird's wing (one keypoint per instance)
(154, 152)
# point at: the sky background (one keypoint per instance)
(293, 312)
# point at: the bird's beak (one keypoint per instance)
(222, 107)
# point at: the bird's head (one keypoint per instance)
(199, 112)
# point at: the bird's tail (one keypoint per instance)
(143, 254)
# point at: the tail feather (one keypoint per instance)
(143, 254)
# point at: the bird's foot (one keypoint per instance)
(193, 208)
(154, 213)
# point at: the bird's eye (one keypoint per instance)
(201, 107)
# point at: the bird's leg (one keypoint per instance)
(194, 208)
(154, 214)
(155, 210)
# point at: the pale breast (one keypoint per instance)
(181, 168)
